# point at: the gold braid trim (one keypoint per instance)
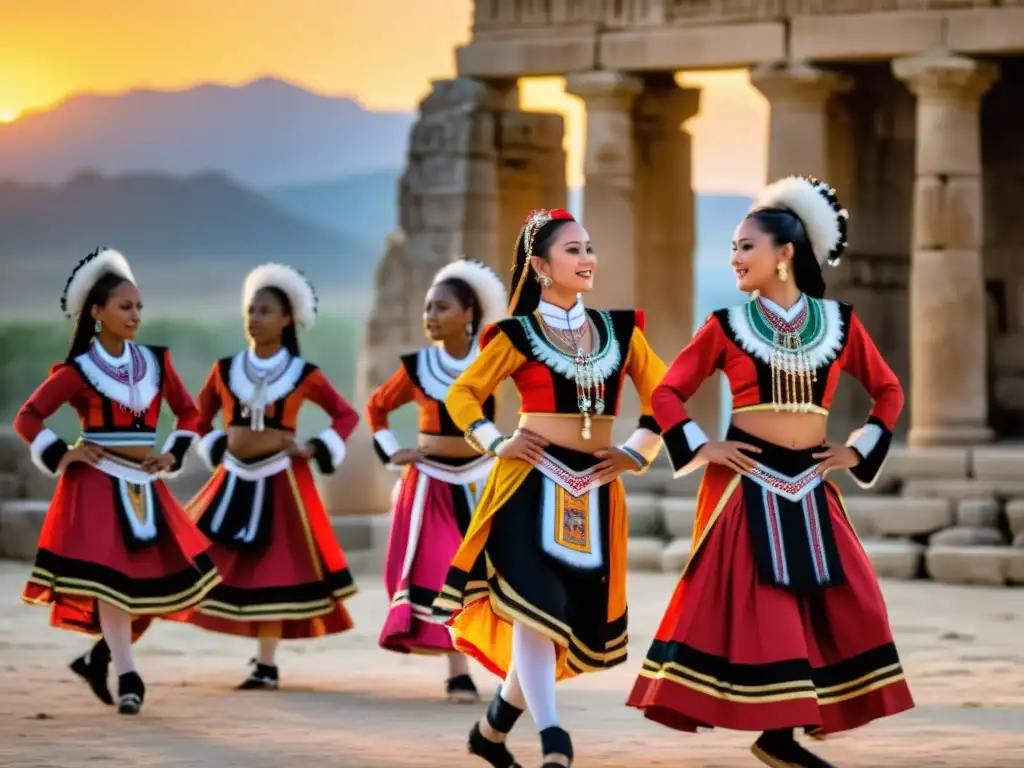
(534, 222)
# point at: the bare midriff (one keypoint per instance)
(133, 453)
(788, 430)
(446, 446)
(244, 443)
(564, 430)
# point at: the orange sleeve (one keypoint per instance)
(212, 442)
(389, 396)
(46, 447)
(862, 360)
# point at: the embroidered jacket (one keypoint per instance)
(424, 377)
(738, 342)
(291, 381)
(118, 404)
(518, 347)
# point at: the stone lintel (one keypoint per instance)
(798, 85)
(529, 56)
(939, 75)
(692, 47)
(604, 90)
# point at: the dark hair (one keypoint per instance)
(785, 228)
(467, 298)
(529, 295)
(85, 323)
(289, 335)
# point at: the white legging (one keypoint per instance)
(531, 677)
(117, 631)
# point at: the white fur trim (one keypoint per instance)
(42, 441)
(287, 279)
(486, 434)
(334, 444)
(820, 220)
(646, 443)
(86, 276)
(204, 447)
(485, 282)
(695, 440)
(387, 441)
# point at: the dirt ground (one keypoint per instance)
(346, 703)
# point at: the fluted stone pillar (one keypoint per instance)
(948, 355)
(798, 127)
(609, 194)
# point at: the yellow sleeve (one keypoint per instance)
(498, 360)
(646, 370)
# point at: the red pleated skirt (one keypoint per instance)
(429, 520)
(291, 586)
(83, 557)
(735, 652)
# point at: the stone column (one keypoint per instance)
(798, 127)
(666, 226)
(610, 190)
(948, 348)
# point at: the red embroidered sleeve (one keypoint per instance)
(329, 445)
(182, 406)
(698, 360)
(46, 447)
(862, 360)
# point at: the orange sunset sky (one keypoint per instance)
(382, 52)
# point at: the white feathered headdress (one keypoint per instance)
(289, 281)
(484, 281)
(87, 273)
(815, 203)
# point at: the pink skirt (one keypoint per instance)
(429, 519)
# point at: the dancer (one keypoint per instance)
(778, 620)
(536, 592)
(115, 544)
(285, 576)
(442, 474)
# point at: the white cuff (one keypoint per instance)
(334, 444)
(172, 439)
(865, 439)
(42, 441)
(204, 447)
(646, 443)
(486, 434)
(387, 442)
(696, 439)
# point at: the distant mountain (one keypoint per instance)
(195, 236)
(365, 204)
(266, 133)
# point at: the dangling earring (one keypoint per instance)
(97, 327)
(783, 272)
(546, 282)
(469, 330)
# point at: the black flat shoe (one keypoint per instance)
(94, 667)
(461, 690)
(778, 749)
(262, 678)
(556, 741)
(131, 692)
(501, 717)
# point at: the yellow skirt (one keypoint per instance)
(546, 549)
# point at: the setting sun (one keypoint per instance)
(8, 115)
